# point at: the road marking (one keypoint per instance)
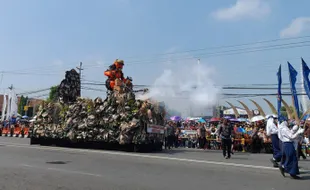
(140, 155)
(62, 170)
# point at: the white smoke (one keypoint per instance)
(188, 89)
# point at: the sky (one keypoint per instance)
(39, 40)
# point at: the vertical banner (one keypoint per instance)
(279, 91)
(305, 74)
(293, 78)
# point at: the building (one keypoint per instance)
(33, 104)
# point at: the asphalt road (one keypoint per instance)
(33, 167)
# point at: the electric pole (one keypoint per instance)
(9, 102)
(198, 74)
(80, 73)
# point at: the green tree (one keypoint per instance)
(22, 103)
(53, 94)
(283, 111)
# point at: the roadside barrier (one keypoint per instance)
(17, 131)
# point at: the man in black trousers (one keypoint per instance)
(225, 134)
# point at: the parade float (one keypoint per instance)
(120, 121)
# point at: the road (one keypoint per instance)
(24, 167)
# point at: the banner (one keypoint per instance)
(155, 129)
(293, 77)
(188, 132)
(279, 91)
(305, 74)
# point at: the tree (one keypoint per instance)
(53, 94)
(283, 111)
(22, 103)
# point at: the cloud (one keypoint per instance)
(296, 27)
(244, 9)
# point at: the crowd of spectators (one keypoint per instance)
(246, 136)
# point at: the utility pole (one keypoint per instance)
(198, 74)
(80, 73)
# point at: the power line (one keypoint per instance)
(201, 49)
(229, 46)
(208, 55)
(34, 92)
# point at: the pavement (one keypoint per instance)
(24, 166)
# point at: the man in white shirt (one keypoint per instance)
(272, 131)
(290, 165)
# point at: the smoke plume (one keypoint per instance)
(188, 89)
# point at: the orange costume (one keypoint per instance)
(113, 73)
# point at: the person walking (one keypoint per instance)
(225, 134)
(287, 136)
(272, 131)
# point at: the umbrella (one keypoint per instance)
(242, 119)
(175, 118)
(25, 117)
(227, 117)
(257, 118)
(214, 119)
(201, 120)
(234, 120)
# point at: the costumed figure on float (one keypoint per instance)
(116, 80)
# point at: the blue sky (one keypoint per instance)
(40, 39)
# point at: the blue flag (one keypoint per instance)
(305, 73)
(279, 91)
(293, 78)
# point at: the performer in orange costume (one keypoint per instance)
(114, 72)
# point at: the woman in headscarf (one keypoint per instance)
(290, 165)
(272, 130)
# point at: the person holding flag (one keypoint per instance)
(287, 136)
(272, 130)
